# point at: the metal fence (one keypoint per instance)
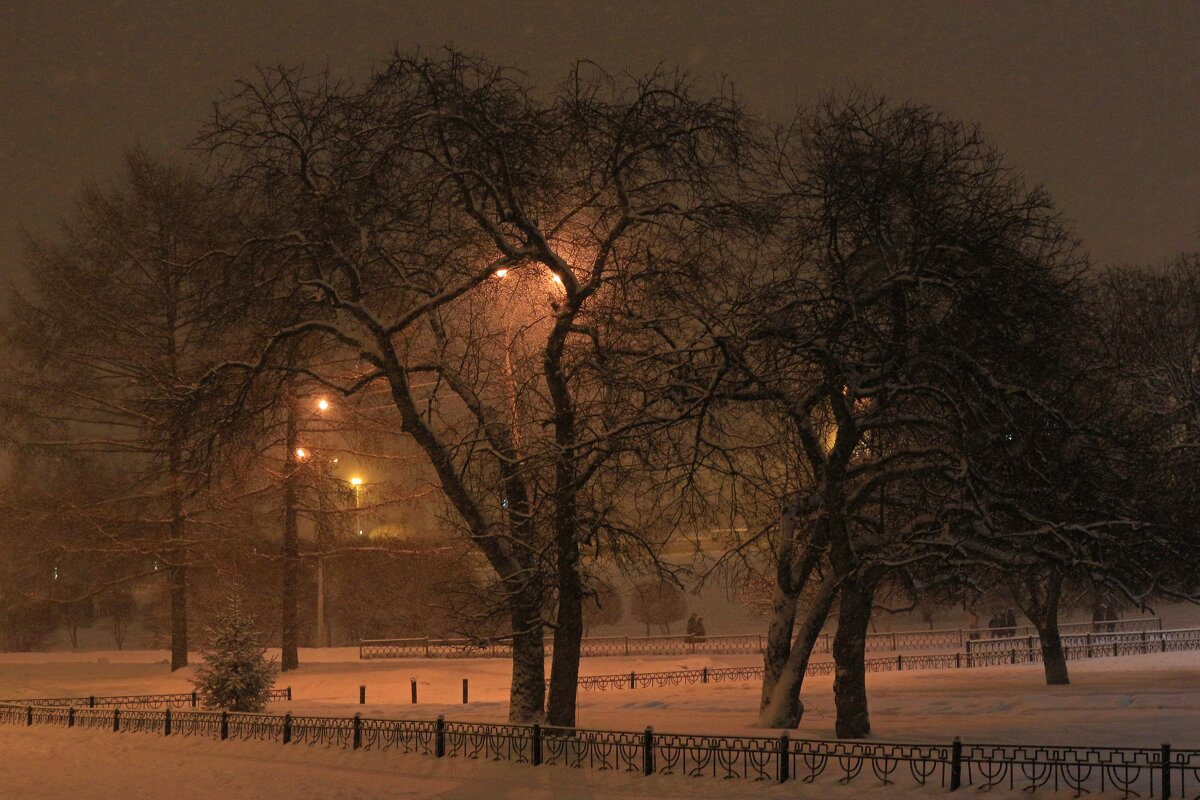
(135, 701)
(1156, 772)
(728, 645)
(985, 653)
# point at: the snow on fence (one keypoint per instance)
(1155, 772)
(726, 645)
(134, 701)
(984, 653)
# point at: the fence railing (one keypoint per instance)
(983, 653)
(135, 701)
(594, 646)
(1156, 772)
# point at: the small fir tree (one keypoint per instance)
(236, 674)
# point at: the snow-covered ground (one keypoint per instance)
(1128, 701)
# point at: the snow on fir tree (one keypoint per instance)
(236, 674)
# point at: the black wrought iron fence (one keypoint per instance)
(1142, 772)
(730, 645)
(136, 701)
(1018, 651)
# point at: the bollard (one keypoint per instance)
(289, 694)
(287, 728)
(464, 691)
(956, 765)
(357, 731)
(362, 695)
(632, 680)
(167, 723)
(439, 737)
(413, 686)
(704, 675)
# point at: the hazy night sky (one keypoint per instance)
(1100, 102)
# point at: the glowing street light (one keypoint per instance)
(322, 404)
(500, 273)
(556, 277)
(301, 453)
(356, 481)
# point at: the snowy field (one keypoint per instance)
(1128, 701)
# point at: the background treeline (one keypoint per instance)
(566, 328)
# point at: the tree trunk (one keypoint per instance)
(564, 670)
(779, 645)
(177, 572)
(290, 622)
(1040, 603)
(527, 695)
(849, 655)
(782, 708)
(179, 626)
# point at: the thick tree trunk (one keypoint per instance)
(783, 707)
(779, 644)
(1054, 658)
(527, 695)
(849, 655)
(290, 622)
(568, 633)
(1040, 603)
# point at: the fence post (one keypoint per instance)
(116, 720)
(1162, 642)
(427, 647)
(29, 715)
(784, 757)
(195, 699)
(956, 765)
(899, 663)
(894, 641)
(1144, 648)
(632, 680)
(287, 728)
(71, 717)
(362, 695)
(439, 737)
(704, 675)
(535, 749)
(289, 694)
(1014, 655)
(1089, 644)
(413, 686)
(958, 660)
(224, 725)
(961, 637)
(648, 751)
(357, 731)
(464, 691)
(1166, 772)
(92, 701)
(167, 722)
